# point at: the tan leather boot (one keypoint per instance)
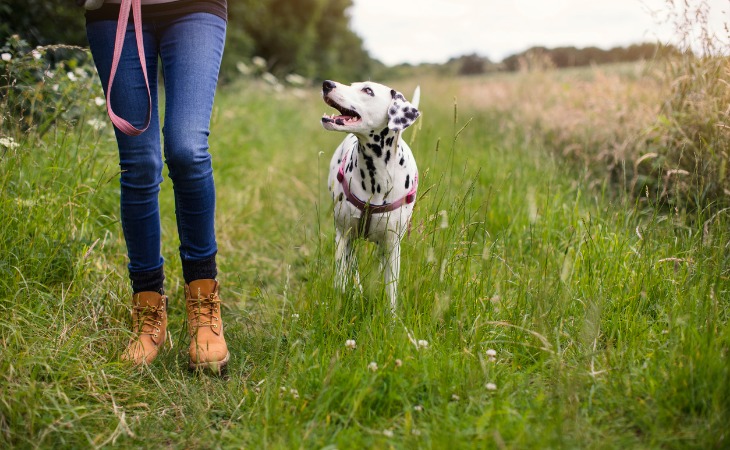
(208, 349)
(149, 325)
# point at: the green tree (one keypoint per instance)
(42, 22)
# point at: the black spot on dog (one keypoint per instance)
(376, 138)
(342, 196)
(389, 141)
(402, 161)
(408, 181)
(362, 183)
(362, 173)
(369, 163)
(378, 150)
(378, 188)
(387, 156)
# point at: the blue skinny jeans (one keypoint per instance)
(189, 49)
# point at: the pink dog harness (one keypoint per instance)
(124, 126)
(366, 208)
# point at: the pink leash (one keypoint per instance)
(124, 126)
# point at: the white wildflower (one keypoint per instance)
(54, 88)
(350, 343)
(294, 393)
(49, 74)
(96, 124)
(491, 352)
(243, 68)
(398, 363)
(388, 433)
(373, 366)
(6, 57)
(455, 397)
(71, 76)
(491, 387)
(418, 408)
(8, 142)
(99, 101)
(295, 316)
(258, 62)
(36, 54)
(295, 79)
(81, 73)
(270, 78)
(422, 343)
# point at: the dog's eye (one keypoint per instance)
(368, 91)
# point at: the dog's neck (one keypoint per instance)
(375, 160)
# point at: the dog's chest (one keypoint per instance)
(376, 175)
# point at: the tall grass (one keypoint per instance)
(536, 310)
(659, 127)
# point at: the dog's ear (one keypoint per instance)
(401, 113)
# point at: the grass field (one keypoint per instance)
(537, 310)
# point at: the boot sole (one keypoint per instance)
(216, 367)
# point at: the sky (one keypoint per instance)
(418, 31)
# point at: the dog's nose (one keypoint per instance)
(327, 86)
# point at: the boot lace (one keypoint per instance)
(204, 310)
(149, 319)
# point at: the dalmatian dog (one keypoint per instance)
(373, 176)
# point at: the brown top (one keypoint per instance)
(110, 11)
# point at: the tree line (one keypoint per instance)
(311, 38)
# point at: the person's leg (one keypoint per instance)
(140, 157)
(140, 161)
(191, 48)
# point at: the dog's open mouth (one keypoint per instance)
(346, 117)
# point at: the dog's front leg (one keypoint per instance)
(391, 266)
(345, 261)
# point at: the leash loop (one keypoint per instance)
(123, 125)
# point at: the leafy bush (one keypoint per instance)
(43, 85)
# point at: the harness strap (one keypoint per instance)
(124, 126)
(368, 209)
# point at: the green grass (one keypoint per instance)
(609, 319)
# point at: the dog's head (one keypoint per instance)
(367, 106)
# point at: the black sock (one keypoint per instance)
(152, 280)
(205, 269)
